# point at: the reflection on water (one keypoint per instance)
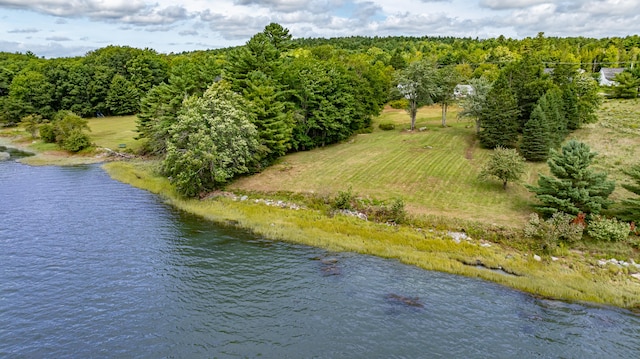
(94, 268)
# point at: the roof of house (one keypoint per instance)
(610, 73)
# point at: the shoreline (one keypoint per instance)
(567, 278)
(570, 278)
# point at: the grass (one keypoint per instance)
(426, 248)
(107, 132)
(434, 171)
(112, 132)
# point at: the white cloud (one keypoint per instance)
(510, 4)
(187, 24)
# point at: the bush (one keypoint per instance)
(399, 104)
(47, 133)
(76, 141)
(387, 126)
(560, 228)
(343, 200)
(604, 229)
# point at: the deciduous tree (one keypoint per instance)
(417, 83)
(212, 141)
(505, 164)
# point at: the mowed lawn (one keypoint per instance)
(434, 171)
(111, 132)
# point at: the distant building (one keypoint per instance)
(461, 91)
(607, 75)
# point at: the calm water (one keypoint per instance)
(90, 267)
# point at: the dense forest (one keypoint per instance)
(236, 110)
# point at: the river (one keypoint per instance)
(90, 267)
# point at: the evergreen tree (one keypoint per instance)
(570, 107)
(573, 186)
(273, 120)
(499, 117)
(535, 142)
(631, 206)
(551, 104)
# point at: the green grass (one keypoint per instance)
(434, 171)
(567, 278)
(111, 132)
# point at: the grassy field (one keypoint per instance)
(434, 171)
(112, 132)
(108, 132)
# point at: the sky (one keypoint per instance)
(64, 28)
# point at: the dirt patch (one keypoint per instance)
(468, 152)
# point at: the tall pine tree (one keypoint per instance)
(631, 206)
(499, 117)
(573, 186)
(535, 142)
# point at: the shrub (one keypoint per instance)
(387, 126)
(399, 104)
(76, 141)
(343, 200)
(47, 133)
(560, 228)
(386, 213)
(604, 229)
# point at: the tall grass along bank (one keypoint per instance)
(572, 277)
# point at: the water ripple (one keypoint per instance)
(90, 267)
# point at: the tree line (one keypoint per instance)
(297, 94)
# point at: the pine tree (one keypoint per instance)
(535, 142)
(631, 206)
(499, 118)
(573, 186)
(551, 104)
(272, 120)
(570, 107)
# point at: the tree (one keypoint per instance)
(552, 105)
(505, 164)
(123, 97)
(31, 124)
(631, 206)
(573, 186)
(589, 99)
(446, 80)
(536, 141)
(273, 120)
(473, 103)
(212, 141)
(417, 83)
(627, 86)
(499, 116)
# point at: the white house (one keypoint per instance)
(462, 90)
(607, 75)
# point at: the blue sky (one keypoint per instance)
(58, 28)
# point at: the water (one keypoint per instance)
(90, 267)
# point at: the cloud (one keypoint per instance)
(24, 31)
(510, 4)
(58, 38)
(281, 5)
(234, 27)
(136, 12)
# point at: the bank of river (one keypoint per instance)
(573, 277)
(92, 267)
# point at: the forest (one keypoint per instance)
(236, 110)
